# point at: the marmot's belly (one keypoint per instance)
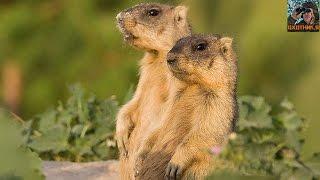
(149, 120)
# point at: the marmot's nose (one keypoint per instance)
(172, 61)
(119, 17)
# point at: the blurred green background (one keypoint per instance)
(46, 45)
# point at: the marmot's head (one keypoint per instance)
(208, 60)
(152, 26)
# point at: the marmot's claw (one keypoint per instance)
(124, 153)
(173, 172)
(122, 148)
(136, 173)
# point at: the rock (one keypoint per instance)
(107, 170)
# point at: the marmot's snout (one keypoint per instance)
(171, 59)
(173, 54)
(119, 17)
(125, 19)
(125, 24)
(120, 22)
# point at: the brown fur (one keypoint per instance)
(155, 35)
(201, 113)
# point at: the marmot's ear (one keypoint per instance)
(226, 45)
(180, 14)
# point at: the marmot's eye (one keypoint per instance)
(201, 46)
(153, 12)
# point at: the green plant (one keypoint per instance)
(269, 144)
(266, 145)
(17, 161)
(80, 130)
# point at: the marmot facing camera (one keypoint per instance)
(202, 112)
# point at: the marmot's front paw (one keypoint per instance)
(122, 142)
(122, 135)
(139, 163)
(174, 171)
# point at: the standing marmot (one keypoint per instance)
(202, 112)
(154, 28)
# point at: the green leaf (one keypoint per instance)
(17, 161)
(314, 164)
(268, 144)
(55, 139)
(47, 120)
(254, 113)
(290, 120)
(75, 129)
(286, 104)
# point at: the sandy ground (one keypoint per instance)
(107, 170)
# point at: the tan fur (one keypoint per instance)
(156, 35)
(201, 113)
